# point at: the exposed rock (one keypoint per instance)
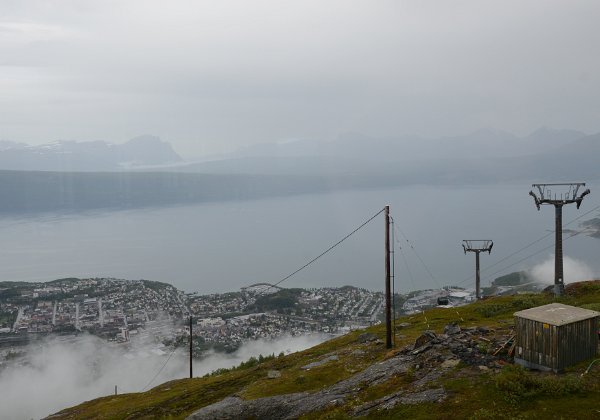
(422, 349)
(483, 330)
(279, 407)
(390, 401)
(273, 374)
(291, 406)
(320, 362)
(429, 395)
(366, 338)
(450, 363)
(424, 338)
(452, 329)
(429, 358)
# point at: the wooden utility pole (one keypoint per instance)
(388, 298)
(191, 349)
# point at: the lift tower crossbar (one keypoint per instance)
(547, 196)
(477, 246)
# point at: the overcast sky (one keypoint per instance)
(209, 76)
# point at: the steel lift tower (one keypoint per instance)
(546, 196)
(477, 246)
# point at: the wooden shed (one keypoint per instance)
(555, 336)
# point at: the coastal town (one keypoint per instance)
(123, 310)
(119, 310)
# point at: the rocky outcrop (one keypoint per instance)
(390, 401)
(292, 406)
(425, 361)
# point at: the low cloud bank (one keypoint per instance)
(58, 373)
(574, 271)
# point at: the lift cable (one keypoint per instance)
(529, 256)
(471, 277)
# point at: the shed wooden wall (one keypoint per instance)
(556, 347)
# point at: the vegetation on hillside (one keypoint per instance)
(473, 393)
(512, 279)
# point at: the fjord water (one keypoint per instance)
(222, 246)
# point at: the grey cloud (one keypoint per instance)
(210, 76)
(87, 367)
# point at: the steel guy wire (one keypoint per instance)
(160, 370)
(419, 258)
(324, 252)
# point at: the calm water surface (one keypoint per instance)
(222, 246)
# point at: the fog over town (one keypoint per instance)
(63, 373)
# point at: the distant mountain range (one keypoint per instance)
(486, 156)
(67, 156)
(484, 143)
(354, 162)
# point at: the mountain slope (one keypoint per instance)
(483, 143)
(482, 157)
(87, 156)
(449, 372)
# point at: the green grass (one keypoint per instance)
(512, 393)
(175, 399)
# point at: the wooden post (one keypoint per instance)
(191, 349)
(388, 299)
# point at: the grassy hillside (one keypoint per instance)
(476, 385)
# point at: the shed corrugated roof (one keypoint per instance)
(557, 314)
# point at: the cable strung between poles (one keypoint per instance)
(488, 276)
(531, 255)
(419, 258)
(538, 240)
(324, 252)
(159, 371)
(470, 278)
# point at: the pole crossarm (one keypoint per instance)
(547, 196)
(477, 245)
